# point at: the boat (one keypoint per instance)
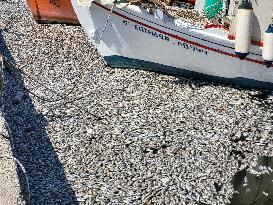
(53, 11)
(228, 47)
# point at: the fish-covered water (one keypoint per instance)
(90, 134)
(254, 187)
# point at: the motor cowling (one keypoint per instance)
(243, 29)
(268, 46)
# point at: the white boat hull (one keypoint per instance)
(134, 38)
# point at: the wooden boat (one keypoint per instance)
(134, 37)
(53, 11)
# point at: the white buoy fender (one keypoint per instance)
(268, 46)
(243, 29)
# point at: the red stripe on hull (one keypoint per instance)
(256, 43)
(180, 38)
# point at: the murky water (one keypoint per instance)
(252, 189)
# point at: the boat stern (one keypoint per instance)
(53, 11)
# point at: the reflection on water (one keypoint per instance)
(254, 189)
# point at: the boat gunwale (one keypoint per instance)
(178, 37)
(187, 34)
(207, 26)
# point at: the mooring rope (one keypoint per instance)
(62, 97)
(17, 161)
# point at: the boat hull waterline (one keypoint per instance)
(135, 39)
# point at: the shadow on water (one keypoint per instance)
(32, 147)
(253, 189)
(262, 97)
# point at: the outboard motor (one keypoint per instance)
(243, 29)
(268, 46)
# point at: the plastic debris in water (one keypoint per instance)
(84, 3)
(159, 14)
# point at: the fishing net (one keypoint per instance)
(213, 8)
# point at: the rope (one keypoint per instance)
(97, 42)
(106, 23)
(4, 59)
(62, 97)
(17, 161)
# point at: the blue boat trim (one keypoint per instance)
(241, 55)
(269, 29)
(124, 62)
(179, 37)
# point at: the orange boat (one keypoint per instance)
(58, 11)
(190, 1)
(53, 11)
